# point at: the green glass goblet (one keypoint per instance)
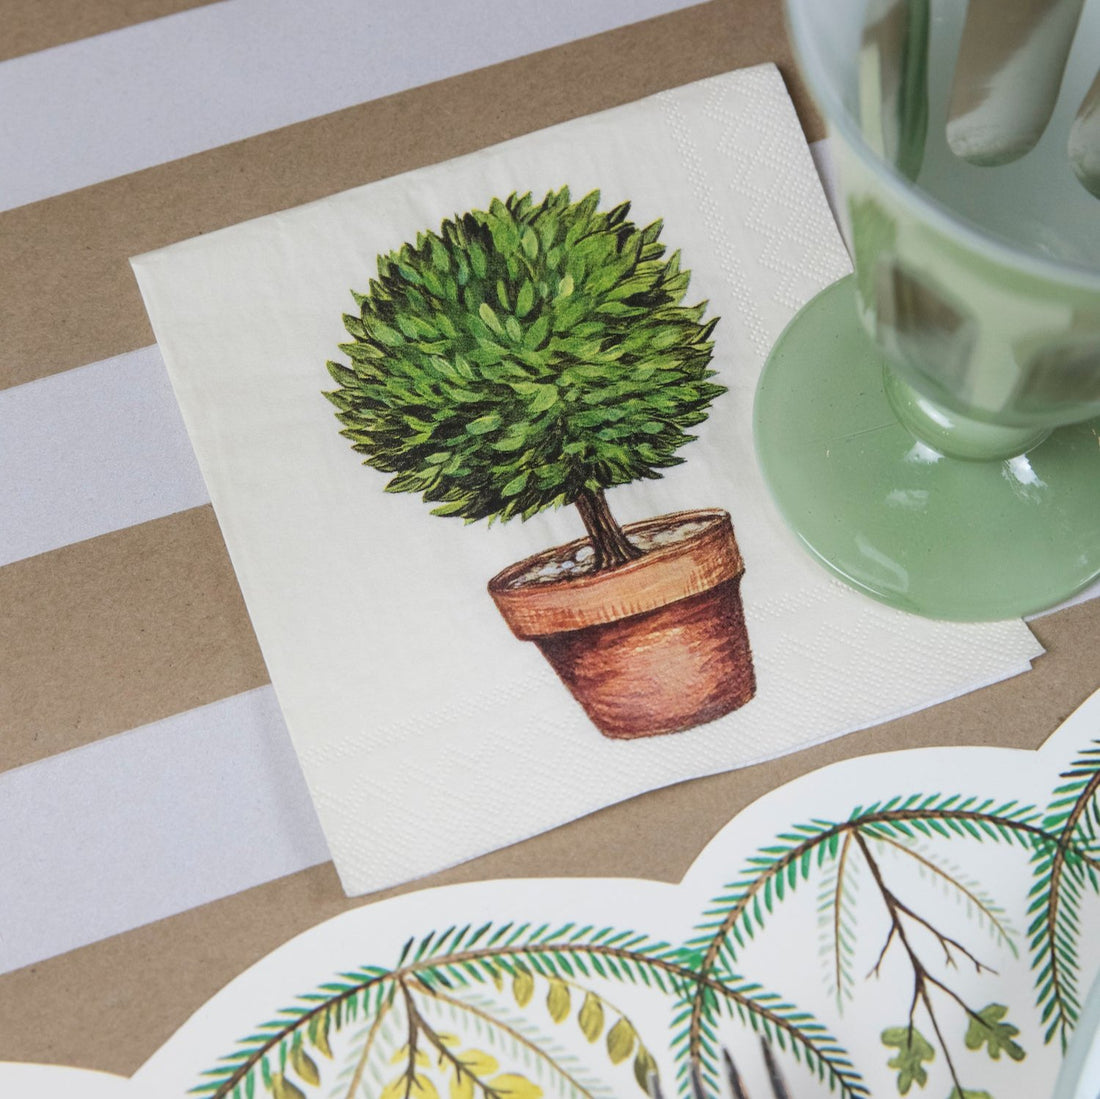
(930, 425)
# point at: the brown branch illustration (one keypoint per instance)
(927, 1000)
(413, 1019)
(1002, 931)
(421, 1025)
(947, 943)
(923, 980)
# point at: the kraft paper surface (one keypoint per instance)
(110, 1005)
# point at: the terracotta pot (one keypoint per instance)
(653, 646)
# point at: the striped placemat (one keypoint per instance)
(155, 837)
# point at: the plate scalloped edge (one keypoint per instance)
(905, 918)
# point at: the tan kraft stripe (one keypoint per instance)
(112, 1004)
(70, 298)
(30, 25)
(118, 631)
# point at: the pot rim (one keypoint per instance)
(662, 576)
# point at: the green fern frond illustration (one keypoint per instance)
(737, 913)
(785, 1026)
(953, 815)
(1062, 871)
(266, 1052)
(740, 910)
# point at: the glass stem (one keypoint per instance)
(952, 434)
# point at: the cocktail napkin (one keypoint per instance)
(429, 727)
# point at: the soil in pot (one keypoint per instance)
(656, 645)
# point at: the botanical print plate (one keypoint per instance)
(912, 923)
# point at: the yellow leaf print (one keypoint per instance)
(422, 1088)
(620, 1041)
(557, 1000)
(591, 1017)
(478, 1063)
(523, 987)
(513, 1086)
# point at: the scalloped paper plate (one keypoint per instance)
(909, 923)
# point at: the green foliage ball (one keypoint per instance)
(523, 355)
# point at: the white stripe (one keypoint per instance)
(101, 107)
(148, 823)
(90, 451)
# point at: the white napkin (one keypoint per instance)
(427, 733)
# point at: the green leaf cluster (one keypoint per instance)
(988, 1028)
(522, 355)
(913, 1049)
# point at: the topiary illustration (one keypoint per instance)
(531, 356)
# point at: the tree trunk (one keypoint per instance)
(608, 541)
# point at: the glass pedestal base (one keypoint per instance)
(941, 537)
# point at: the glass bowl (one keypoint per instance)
(929, 425)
